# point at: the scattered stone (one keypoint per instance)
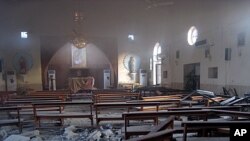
(96, 135)
(3, 134)
(31, 133)
(8, 128)
(108, 126)
(55, 138)
(69, 134)
(17, 138)
(36, 139)
(70, 128)
(107, 133)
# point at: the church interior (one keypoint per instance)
(113, 70)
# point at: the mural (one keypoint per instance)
(22, 62)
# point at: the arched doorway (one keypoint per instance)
(157, 64)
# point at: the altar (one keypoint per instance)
(81, 83)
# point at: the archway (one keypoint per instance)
(157, 64)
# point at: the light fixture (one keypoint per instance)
(24, 34)
(78, 39)
(79, 42)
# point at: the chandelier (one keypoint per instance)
(78, 39)
(79, 42)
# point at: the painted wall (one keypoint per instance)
(96, 63)
(219, 22)
(15, 19)
(9, 49)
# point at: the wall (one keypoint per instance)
(96, 60)
(50, 24)
(9, 49)
(219, 22)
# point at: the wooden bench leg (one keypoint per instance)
(185, 133)
(97, 122)
(61, 121)
(96, 114)
(125, 128)
(20, 125)
(39, 122)
(155, 120)
(92, 122)
(91, 115)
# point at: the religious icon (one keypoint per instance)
(22, 62)
(22, 65)
(78, 57)
(131, 65)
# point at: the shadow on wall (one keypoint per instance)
(96, 62)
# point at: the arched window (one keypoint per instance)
(192, 35)
(157, 64)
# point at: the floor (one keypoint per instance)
(80, 130)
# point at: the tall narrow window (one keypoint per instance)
(24, 35)
(157, 64)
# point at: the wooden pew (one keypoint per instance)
(34, 99)
(234, 114)
(190, 99)
(65, 95)
(195, 98)
(26, 106)
(115, 97)
(4, 95)
(15, 121)
(41, 96)
(233, 108)
(138, 105)
(137, 130)
(99, 106)
(26, 109)
(168, 97)
(59, 115)
(54, 91)
(106, 91)
(164, 135)
(170, 103)
(201, 114)
(152, 90)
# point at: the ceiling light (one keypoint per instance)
(24, 34)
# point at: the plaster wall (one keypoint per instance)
(219, 22)
(31, 46)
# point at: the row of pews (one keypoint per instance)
(38, 106)
(44, 105)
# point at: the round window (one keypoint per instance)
(192, 35)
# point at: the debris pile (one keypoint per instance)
(70, 133)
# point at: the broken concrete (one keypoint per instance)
(17, 138)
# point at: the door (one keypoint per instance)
(192, 76)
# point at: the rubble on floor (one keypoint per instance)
(70, 133)
(73, 133)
